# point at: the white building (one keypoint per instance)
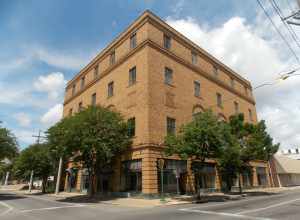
(291, 153)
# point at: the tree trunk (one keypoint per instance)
(44, 182)
(240, 184)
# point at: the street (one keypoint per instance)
(278, 206)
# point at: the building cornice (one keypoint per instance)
(171, 55)
(148, 16)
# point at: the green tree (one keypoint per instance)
(245, 143)
(36, 157)
(8, 144)
(198, 140)
(95, 136)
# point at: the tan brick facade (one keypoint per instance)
(150, 101)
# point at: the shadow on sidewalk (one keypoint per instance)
(8, 196)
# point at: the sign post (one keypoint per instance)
(177, 180)
(160, 164)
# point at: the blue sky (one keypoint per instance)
(47, 42)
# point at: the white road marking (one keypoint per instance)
(52, 208)
(268, 207)
(224, 214)
(9, 208)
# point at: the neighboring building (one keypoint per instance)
(158, 79)
(286, 171)
(291, 153)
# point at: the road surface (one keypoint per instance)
(285, 206)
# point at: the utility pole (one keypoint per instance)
(31, 181)
(39, 137)
(6, 178)
(58, 176)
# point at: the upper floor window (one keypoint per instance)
(219, 100)
(215, 71)
(194, 57)
(96, 71)
(197, 92)
(112, 57)
(132, 76)
(171, 125)
(133, 41)
(250, 114)
(73, 89)
(93, 101)
(232, 82)
(297, 151)
(80, 107)
(70, 112)
(167, 42)
(82, 82)
(197, 110)
(131, 127)
(110, 89)
(246, 90)
(236, 107)
(168, 76)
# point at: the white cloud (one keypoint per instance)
(258, 56)
(53, 84)
(25, 136)
(23, 119)
(53, 115)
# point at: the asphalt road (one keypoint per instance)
(280, 206)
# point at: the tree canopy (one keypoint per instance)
(8, 144)
(93, 136)
(35, 157)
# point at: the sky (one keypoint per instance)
(43, 44)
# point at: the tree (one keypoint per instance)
(198, 140)
(245, 142)
(95, 136)
(35, 157)
(8, 144)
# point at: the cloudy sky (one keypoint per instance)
(44, 43)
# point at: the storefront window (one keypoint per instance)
(132, 175)
(261, 176)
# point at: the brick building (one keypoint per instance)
(158, 79)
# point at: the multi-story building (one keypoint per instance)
(158, 79)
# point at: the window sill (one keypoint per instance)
(171, 85)
(198, 97)
(131, 85)
(109, 97)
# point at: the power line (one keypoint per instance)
(278, 31)
(288, 27)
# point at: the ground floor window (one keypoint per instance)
(205, 176)
(247, 178)
(84, 180)
(72, 174)
(174, 175)
(131, 178)
(261, 176)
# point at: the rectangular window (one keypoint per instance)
(82, 82)
(167, 42)
(236, 107)
(246, 90)
(215, 71)
(232, 82)
(132, 76)
(219, 100)
(133, 41)
(171, 125)
(197, 89)
(70, 112)
(168, 76)
(194, 57)
(80, 107)
(110, 89)
(96, 71)
(73, 89)
(131, 127)
(112, 58)
(93, 101)
(250, 115)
